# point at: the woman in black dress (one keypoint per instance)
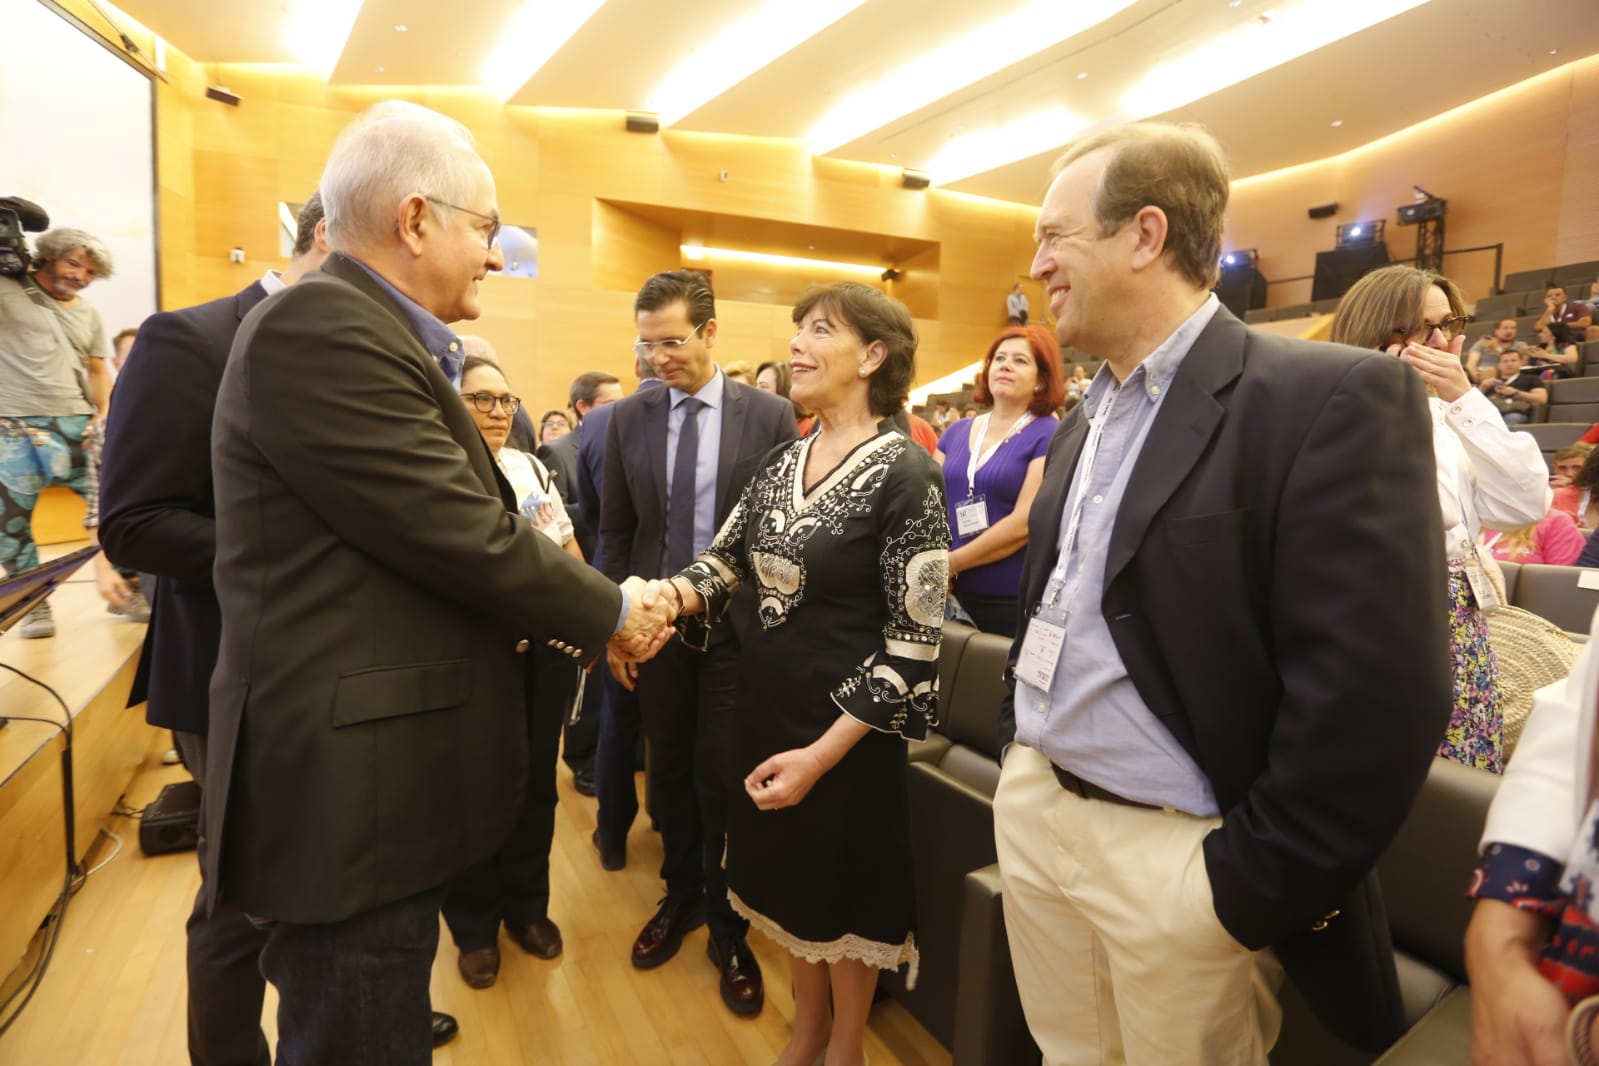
(843, 535)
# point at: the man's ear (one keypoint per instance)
(1150, 226)
(415, 222)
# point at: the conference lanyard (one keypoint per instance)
(1085, 474)
(974, 462)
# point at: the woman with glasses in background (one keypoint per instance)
(513, 886)
(1487, 474)
(553, 425)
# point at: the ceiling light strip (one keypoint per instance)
(697, 252)
(316, 32)
(956, 64)
(537, 31)
(741, 48)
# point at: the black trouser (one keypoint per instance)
(686, 702)
(616, 759)
(225, 983)
(582, 738)
(513, 885)
(355, 992)
(993, 614)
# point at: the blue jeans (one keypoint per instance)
(355, 992)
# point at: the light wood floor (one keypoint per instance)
(114, 993)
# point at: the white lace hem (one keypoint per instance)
(873, 953)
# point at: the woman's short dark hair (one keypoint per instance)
(874, 317)
(1588, 476)
(1051, 391)
(477, 362)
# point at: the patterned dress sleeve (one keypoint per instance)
(896, 689)
(719, 571)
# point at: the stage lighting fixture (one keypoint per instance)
(1422, 211)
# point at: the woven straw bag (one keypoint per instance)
(1532, 652)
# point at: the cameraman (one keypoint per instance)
(54, 386)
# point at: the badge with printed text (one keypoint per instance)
(971, 516)
(1040, 652)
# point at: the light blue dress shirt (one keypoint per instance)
(711, 394)
(1092, 720)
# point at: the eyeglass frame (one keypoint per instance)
(645, 349)
(510, 404)
(1451, 327)
(494, 233)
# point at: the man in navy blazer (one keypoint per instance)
(1232, 670)
(158, 516)
(649, 527)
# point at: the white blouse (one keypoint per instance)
(537, 495)
(1488, 474)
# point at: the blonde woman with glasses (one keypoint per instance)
(1487, 475)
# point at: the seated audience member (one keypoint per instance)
(741, 371)
(1553, 539)
(1555, 355)
(121, 345)
(553, 425)
(1578, 497)
(1592, 333)
(1590, 551)
(1556, 308)
(1515, 392)
(1530, 947)
(1480, 362)
(1568, 461)
(943, 416)
(513, 886)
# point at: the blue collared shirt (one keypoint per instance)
(705, 463)
(1092, 720)
(440, 340)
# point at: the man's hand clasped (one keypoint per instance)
(652, 610)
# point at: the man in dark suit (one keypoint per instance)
(676, 461)
(377, 590)
(590, 391)
(616, 748)
(1233, 670)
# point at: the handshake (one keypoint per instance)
(653, 607)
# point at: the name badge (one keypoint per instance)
(971, 517)
(1040, 652)
(1482, 589)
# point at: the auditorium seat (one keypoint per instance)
(1522, 280)
(1574, 400)
(1557, 593)
(1576, 274)
(1552, 436)
(1490, 309)
(1588, 358)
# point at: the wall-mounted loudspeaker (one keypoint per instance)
(915, 179)
(643, 122)
(1324, 211)
(222, 94)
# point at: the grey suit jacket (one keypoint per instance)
(368, 733)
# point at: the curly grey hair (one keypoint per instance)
(61, 241)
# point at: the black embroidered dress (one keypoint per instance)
(850, 580)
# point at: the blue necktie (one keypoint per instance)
(680, 507)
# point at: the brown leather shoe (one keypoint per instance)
(479, 968)
(742, 988)
(663, 935)
(542, 939)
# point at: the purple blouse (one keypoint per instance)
(998, 482)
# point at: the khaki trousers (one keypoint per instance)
(1118, 954)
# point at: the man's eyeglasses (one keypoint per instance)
(485, 401)
(494, 228)
(1450, 327)
(556, 423)
(645, 349)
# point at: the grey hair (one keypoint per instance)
(477, 348)
(57, 243)
(395, 149)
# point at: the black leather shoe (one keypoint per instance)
(583, 781)
(479, 968)
(610, 858)
(742, 988)
(444, 1028)
(664, 933)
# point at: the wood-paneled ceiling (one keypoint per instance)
(916, 76)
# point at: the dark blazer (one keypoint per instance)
(560, 457)
(591, 462)
(633, 503)
(1276, 587)
(157, 514)
(368, 731)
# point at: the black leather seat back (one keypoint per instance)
(979, 687)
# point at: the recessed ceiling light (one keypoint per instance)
(1081, 74)
(1554, 51)
(1338, 122)
(1235, 3)
(400, 28)
(316, 31)
(380, 70)
(534, 34)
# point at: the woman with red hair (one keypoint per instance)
(993, 465)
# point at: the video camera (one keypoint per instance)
(17, 215)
